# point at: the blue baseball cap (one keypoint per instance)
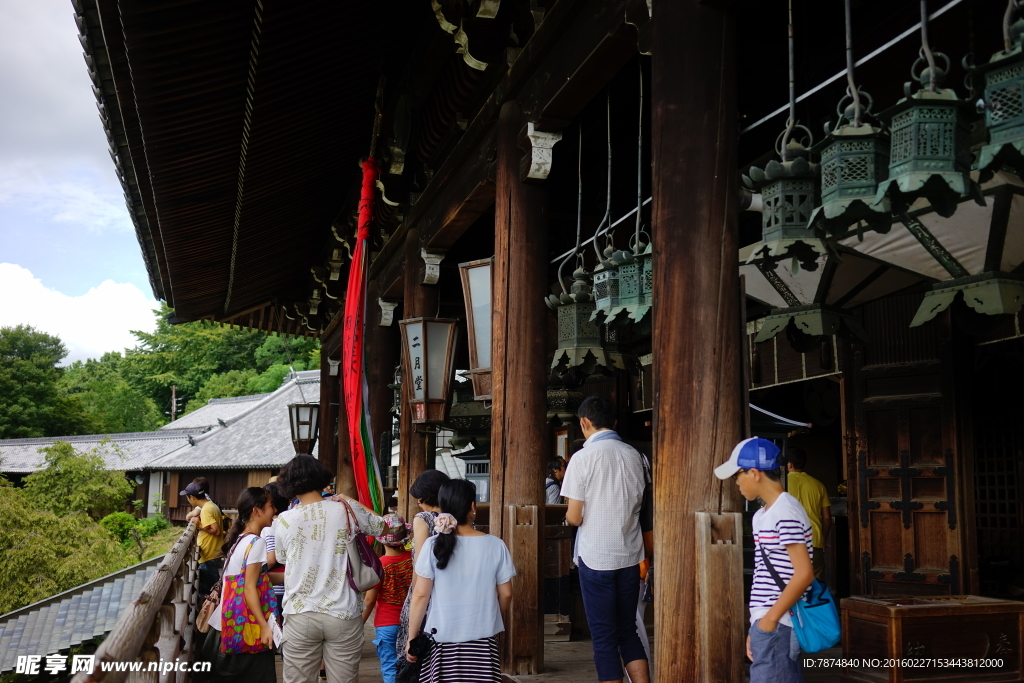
(750, 454)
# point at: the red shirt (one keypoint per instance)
(393, 588)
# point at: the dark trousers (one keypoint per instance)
(209, 572)
(610, 598)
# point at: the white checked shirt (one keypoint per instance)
(607, 476)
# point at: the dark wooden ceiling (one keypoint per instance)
(244, 123)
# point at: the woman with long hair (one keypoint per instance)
(466, 575)
(245, 563)
(424, 492)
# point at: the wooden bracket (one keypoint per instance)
(432, 266)
(536, 164)
(387, 313)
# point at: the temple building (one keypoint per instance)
(687, 206)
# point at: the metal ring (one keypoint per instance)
(778, 140)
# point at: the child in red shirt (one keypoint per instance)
(388, 596)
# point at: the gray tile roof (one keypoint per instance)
(128, 451)
(257, 438)
(71, 618)
(216, 409)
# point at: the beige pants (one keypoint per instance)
(310, 637)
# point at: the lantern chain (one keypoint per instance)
(579, 210)
(854, 93)
(608, 196)
(926, 48)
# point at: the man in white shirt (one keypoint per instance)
(604, 488)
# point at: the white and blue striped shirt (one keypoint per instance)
(784, 523)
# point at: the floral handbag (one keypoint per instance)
(241, 632)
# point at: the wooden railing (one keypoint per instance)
(158, 624)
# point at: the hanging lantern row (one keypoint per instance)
(873, 170)
(917, 154)
(623, 278)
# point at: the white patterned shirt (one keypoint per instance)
(607, 476)
(312, 542)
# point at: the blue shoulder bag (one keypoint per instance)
(815, 617)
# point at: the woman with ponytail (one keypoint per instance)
(240, 643)
(466, 575)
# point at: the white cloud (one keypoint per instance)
(100, 320)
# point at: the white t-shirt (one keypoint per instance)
(312, 542)
(464, 601)
(233, 567)
(607, 476)
(784, 523)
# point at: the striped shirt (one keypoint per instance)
(784, 523)
(268, 535)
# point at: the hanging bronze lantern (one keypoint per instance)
(854, 160)
(607, 284)
(579, 350)
(930, 144)
(1004, 101)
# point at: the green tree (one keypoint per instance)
(222, 385)
(77, 481)
(110, 402)
(270, 379)
(31, 403)
(297, 351)
(45, 553)
(186, 355)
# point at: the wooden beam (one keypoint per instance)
(588, 55)
(518, 414)
(590, 23)
(696, 337)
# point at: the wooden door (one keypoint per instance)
(909, 510)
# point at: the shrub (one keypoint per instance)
(119, 524)
(148, 526)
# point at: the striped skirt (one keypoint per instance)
(475, 661)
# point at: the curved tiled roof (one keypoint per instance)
(216, 409)
(258, 438)
(128, 451)
(71, 618)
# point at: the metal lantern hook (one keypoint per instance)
(926, 48)
(608, 198)
(852, 86)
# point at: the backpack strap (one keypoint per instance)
(771, 568)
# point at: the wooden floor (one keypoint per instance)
(570, 662)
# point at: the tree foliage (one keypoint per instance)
(46, 553)
(131, 392)
(31, 403)
(111, 403)
(77, 481)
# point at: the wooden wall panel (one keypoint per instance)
(910, 491)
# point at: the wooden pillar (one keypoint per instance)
(519, 428)
(333, 447)
(382, 355)
(699, 626)
(419, 301)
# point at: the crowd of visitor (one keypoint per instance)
(289, 576)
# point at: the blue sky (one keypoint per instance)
(73, 265)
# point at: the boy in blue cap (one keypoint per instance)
(782, 536)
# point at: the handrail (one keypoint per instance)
(158, 624)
